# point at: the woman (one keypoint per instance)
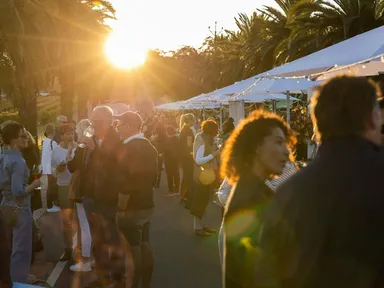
(14, 175)
(186, 137)
(63, 176)
(204, 175)
(48, 181)
(256, 151)
(84, 239)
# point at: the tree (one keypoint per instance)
(23, 56)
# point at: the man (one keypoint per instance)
(138, 174)
(99, 186)
(325, 227)
(60, 121)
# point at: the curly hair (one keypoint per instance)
(240, 147)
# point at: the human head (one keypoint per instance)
(31, 140)
(171, 131)
(15, 136)
(81, 127)
(66, 133)
(2, 125)
(347, 105)
(210, 128)
(259, 144)
(49, 131)
(102, 120)
(187, 119)
(130, 124)
(228, 125)
(61, 120)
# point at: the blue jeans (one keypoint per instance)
(22, 246)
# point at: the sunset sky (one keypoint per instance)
(170, 24)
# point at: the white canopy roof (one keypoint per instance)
(355, 49)
(259, 98)
(183, 105)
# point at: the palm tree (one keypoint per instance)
(23, 56)
(317, 24)
(276, 33)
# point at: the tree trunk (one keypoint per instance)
(82, 99)
(67, 92)
(27, 109)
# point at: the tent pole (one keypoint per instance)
(221, 118)
(288, 110)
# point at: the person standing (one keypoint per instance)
(99, 188)
(204, 175)
(187, 137)
(60, 121)
(171, 161)
(14, 175)
(48, 181)
(324, 226)
(138, 174)
(63, 176)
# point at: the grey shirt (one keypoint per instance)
(14, 175)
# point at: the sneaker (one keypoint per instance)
(81, 267)
(210, 231)
(202, 232)
(172, 194)
(54, 209)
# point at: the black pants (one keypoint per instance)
(108, 247)
(187, 180)
(173, 173)
(159, 169)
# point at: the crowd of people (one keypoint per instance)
(282, 226)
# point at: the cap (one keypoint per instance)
(131, 118)
(62, 118)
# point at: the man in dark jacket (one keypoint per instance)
(98, 184)
(138, 174)
(325, 225)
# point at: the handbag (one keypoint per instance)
(207, 176)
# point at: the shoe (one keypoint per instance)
(172, 194)
(67, 255)
(202, 232)
(210, 231)
(81, 267)
(54, 209)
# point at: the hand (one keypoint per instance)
(216, 153)
(36, 183)
(61, 168)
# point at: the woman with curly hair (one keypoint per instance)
(257, 150)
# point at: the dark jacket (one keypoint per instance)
(325, 225)
(241, 221)
(138, 173)
(98, 179)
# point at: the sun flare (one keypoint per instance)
(123, 53)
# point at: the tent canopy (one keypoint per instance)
(259, 98)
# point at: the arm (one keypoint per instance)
(200, 159)
(18, 187)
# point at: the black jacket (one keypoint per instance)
(325, 225)
(246, 204)
(98, 179)
(138, 173)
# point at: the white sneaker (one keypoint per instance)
(81, 267)
(54, 209)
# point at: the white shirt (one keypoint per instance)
(200, 159)
(46, 157)
(59, 156)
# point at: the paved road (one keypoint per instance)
(182, 259)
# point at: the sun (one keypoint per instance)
(125, 52)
